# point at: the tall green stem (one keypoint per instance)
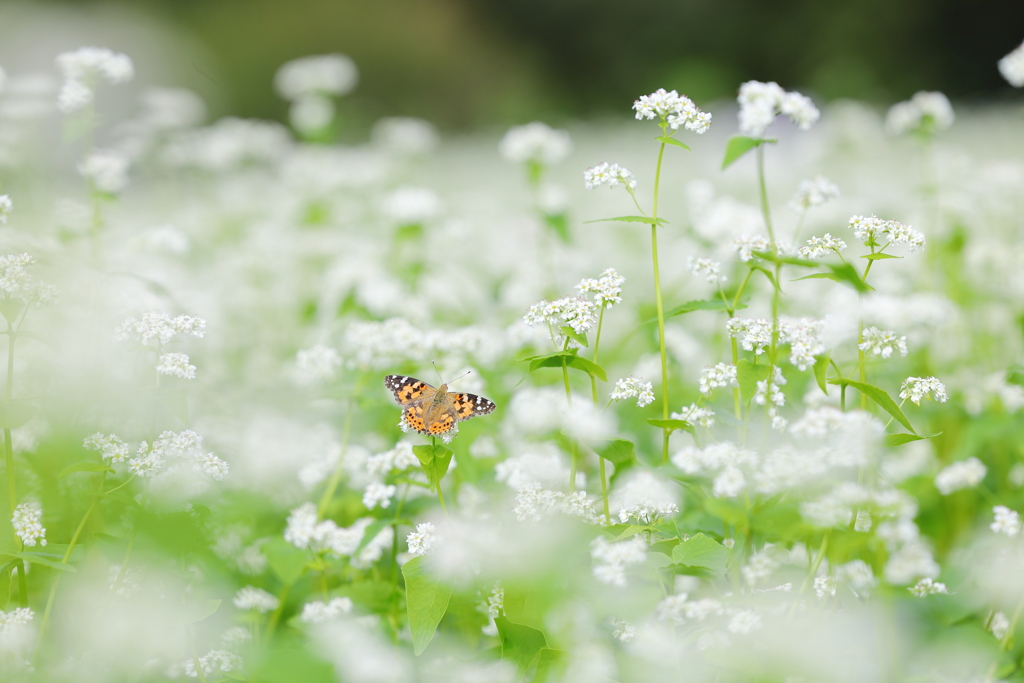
(660, 305)
(332, 483)
(593, 391)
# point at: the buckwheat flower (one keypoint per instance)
(729, 483)
(612, 558)
(822, 246)
(711, 270)
(177, 365)
(769, 392)
(579, 314)
(110, 446)
(761, 102)
(606, 290)
(210, 465)
(1006, 521)
(423, 540)
(405, 135)
(11, 621)
(1012, 67)
(694, 414)
(804, 337)
(999, 624)
(535, 142)
(721, 375)
(608, 174)
(918, 388)
(317, 612)
(147, 462)
(632, 387)
(412, 205)
(26, 524)
(760, 566)
(73, 96)
(252, 598)
(928, 586)
(814, 192)
(14, 279)
(756, 333)
(84, 68)
(333, 74)
(925, 111)
(745, 245)
(377, 493)
(154, 329)
(858, 575)
(172, 108)
(106, 169)
(825, 586)
(310, 114)
(882, 342)
(6, 207)
(214, 661)
(496, 601)
(960, 475)
(672, 108)
(623, 630)
(317, 364)
(398, 458)
(644, 498)
(743, 622)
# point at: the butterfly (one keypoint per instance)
(434, 411)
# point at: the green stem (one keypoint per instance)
(440, 495)
(282, 596)
(659, 303)
(593, 390)
(195, 653)
(332, 483)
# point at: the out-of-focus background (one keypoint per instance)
(482, 63)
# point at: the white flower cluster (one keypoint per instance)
(6, 207)
(150, 461)
(535, 142)
(963, 474)
(882, 342)
(746, 245)
(111, 447)
(761, 102)
(645, 498)
(106, 170)
(257, 599)
(925, 111)
(15, 619)
(214, 661)
(672, 108)
(377, 493)
(999, 625)
(721, 375)
(405, 135)
(15, 279)
(228, 143)
(610, 175)
(873, 231)
(768, 390)
(316, 365)
(27, 526)
(632, 387)
(695, 414)
(333, 74)
(920, 388)
(578, 313)
(679, 609)
(411, 205)
(838, 506)
(820, 422)
(423, 540)
(612, 558)
(317, 612)
(83, 69)
(928, 586)
(804, 337)
(383, 344)
(814, 192)
(154, 329)
(822, 246)
(606, 290)
(306, 533)
(1012, 67)
(176, 365)
(1006, 521)
(533, 503)
(398, 458)
(710, 270)
(756, 333)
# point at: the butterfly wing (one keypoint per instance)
(407, 390)
(415, 417)
(470, 405)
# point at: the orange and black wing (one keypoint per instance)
(406, 389)
(471, 405)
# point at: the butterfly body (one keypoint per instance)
(434, 411)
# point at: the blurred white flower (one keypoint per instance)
(257, 599)
(317, 364)
(6, 208)
(814, 192)
(611, 559)
(1006, 521)
(761, 102)
(27, 526)
(83, 69)
(925, 111)
(405, 135)
(333, 74)
(535, 142)
(1012, 66)
(633, 387)
(317, 611)
(423, 540)
(882, 342)
(106, 169)
(176, 365)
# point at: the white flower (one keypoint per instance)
(874, 231)
(317, 612)
(333, 74)
(768, 392)
(632, 387)
(252, 598)
(13, 276)
(317, 364)
(926, 111)
(111, 447)
(744, 621)
(1012, 67)
(26, 521)
(155, 329)
(919, 388)
(312, 113)
(882, 342)
(423, 540)
(83, 69)
(1006, 521)
(176, 364)
(999, 624)
(608, 174)
(405, 135)
(535, 142)
(223, 661)
(579, 314)
(711, 270)
(761, 102)
(606, 290)
(412, 205)
(813, 192)
(377, 493)
(533, 503)
(6, 207)
(672, 108)
(11, 621)
(745, 245)
(210, 465)
(624, 631)
(644, 498)
(825, 586)
(106, 169)
(960, 475)
(756, 333)
(927, 586)
(804, 339)
(822, 246)
(694, 414)
(612, 559)
(721, 375)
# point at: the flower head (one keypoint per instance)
(535, 142)
(882, 342)
(919, 388)
(6, 207)
(813, 192)
(1012, 67)
(83, 69)
(106, 169)
(606, 290)
(317, 364)
(177, 365)
(26, 521)
(761, 102)
(256, 599)
(721, 375)
(711, 270)
(423, 540)
(821, 246)
(874, 231)
(333, 74)
(632, 387)
(960, 475)
(608, 174)
(1006, 521)
(925, 112)
(673, 109)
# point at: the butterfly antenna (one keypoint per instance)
(461, 376)
(437, 371)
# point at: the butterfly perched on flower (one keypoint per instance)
(434, 411)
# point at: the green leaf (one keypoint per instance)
(820, 371)
(176, 403)
(434, 461)
(194, 612)
(519, 644)
(426, 599)
(573, 334)
(632, 219)
(879, 256)
(45, 559)
(619, 532)
(739, 145)
(15, 413)
(893, 440)
(559, 225)
(879, 396)
(84, 466)
(665, 140)
(768, 274)
(549, 664)
(672, 424)
(701, 551)
(10, 308)
(618, 452)
(288, 664)
(286, 561)
(842, 273)
(748, 375)
(705, 305)
(1015, 375)
(791, 260)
